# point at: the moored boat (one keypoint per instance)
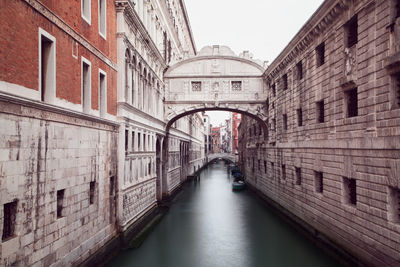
(238, 185)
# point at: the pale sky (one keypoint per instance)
(264, 27)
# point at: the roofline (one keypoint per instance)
(192, 59)
(185, 15)
(307, 29)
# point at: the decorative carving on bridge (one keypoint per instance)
(215, 86)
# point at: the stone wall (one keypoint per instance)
(338, 170)
(41, 153)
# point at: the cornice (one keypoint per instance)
(324, 17)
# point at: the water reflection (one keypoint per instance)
(210, 225)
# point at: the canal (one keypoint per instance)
(209, 225)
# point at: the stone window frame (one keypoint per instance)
(86, 90)
(299, 114)
(349, 191)
(300, 70)
(394, 95)
(393, 200)
(347, 98)
(87, 16)
(60, 203)
(320, 111)
(351, 29)
(50, 93)
(102, 93)
(103, 18)
(320, 52)
(318, 182)
(10, 213)
(297, 171)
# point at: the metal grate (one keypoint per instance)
(299, 117)
(236, 85)
(60, 200)
(352, 31)
(196, 86)
(10, 214)
(320, 50)
(352, 103)
(298, 176)
(319, 186)
(320, 111)
(92, 187)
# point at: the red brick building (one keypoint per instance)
(216, 139)
(57, 103)
(236, 119)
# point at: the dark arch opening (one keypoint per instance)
(258, 119)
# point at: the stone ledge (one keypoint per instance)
(68, 116)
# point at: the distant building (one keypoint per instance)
(236, 119)
(216, 139)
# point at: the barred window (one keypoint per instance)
(236, 85)
(196, 86)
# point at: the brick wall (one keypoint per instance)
(364, 147)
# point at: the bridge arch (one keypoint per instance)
(214, 79)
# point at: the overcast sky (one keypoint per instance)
(264, 27)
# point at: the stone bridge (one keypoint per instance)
(225, 156)
(215, 79)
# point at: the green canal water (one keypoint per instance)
(209, 225)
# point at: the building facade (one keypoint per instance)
(82, 123)
(330, 156)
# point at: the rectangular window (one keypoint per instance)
(273, 124)
(394, 204)
(299, 117)
(319, 111)
(284, 82)
(9, 219)
(133, 141)
(102, 18)
(92, 187)
(103, 93)
(265, 166)
(138, 140)
(395, 95)
(283, 172)
(320, 52)
(86, 11)
(351, 30)
(47, 66)
(86, 85)
(126, 140)
(349, 191)
(60, 203)
(351, 99)
(112, 186)
(299, 68)
(284, 122)
(298, 176)
(273, 89)
(273, 168)
(196, 86)
(236, 85)
(318, 183)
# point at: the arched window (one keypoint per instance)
(127, 62)
(133, 77)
